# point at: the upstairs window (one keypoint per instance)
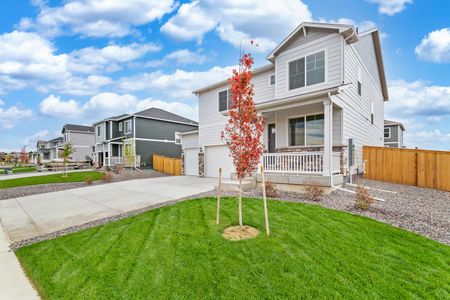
(224, 100)
(387, 132)
(307, 70)
(99, 130)
(272, 80)
(127, 125)
(371, 112)
(120, 126)
(359, 81)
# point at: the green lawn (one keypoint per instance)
(178, 252)
(20, 169)
(53, 178)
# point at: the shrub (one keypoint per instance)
(88, 179)
(271, 190)
(314, 191)
(363, 198)
(107, 177)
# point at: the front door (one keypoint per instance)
(271, 138)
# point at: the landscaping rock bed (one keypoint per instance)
(22, 191)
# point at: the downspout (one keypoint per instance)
(134, 139)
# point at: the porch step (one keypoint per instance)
(233, 185)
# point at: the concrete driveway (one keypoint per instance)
(35, 215)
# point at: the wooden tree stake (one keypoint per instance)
(266, 214)
(240, 202)
(219, 189)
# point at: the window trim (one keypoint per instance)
(389, 130)
(131, 130)
(120, 127)
(302, 116)
(228, 100)
(101, 131)
(306, 76)
(270, 81)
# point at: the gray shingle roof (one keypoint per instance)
(392, 123)
(158, 113)
(58, 139)
(74, 127)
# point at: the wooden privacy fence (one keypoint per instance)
(423, 168)
(167, 165)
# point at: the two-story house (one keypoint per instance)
(321, 94)
(139, 136)
(393, 134)
(49, 150)
(82, 139)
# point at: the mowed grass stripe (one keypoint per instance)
(178, 252)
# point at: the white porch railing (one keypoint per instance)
(299, 162)
(115, 160)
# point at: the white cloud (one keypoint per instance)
(179, 84)
(180, 57)
(435, 47)
(108, 104)
(55, 107)
(417, 99)
(98, 18)
(390, 7)
(2, 102)
(93, 60)
(30, 141)
(11, 116)
(79, 86)
(236, 22)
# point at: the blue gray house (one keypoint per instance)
(139, 135)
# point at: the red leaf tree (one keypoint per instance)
(243, 131)
(23, 155)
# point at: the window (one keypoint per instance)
(120, 126)
(307, 130)
(127, 125)
(224, 100)
(177, 141)
(371, 112)
(99, 130)
(272, 80)
(307, 71)
(387, 132)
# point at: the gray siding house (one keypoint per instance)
(393, 134)
(82, 138)
(49, 150)
(322, 96)
(142, 134)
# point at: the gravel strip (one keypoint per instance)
(28, 190)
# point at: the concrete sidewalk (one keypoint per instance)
(13, 282)
(30, 216)
(32, 174)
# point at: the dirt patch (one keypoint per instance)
(237, 233)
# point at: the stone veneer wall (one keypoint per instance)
(201, 164)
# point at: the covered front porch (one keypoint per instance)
(303, 143)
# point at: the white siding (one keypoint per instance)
(190, 141)
(357, 109)
(212, 121)
(331, 43)
(366, 50)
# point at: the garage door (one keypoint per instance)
(191, 161)
(217, 157)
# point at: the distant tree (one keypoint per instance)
(66, 153)
(243, 131)
(129, 154)
(23, 155)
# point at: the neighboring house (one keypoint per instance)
(393, 134)
(139, 135)
(49, 150)
(82, 138)
(322, 93)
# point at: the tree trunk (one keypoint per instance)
(240, 202)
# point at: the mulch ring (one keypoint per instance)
(238, 233)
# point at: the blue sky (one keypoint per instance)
(78, 61)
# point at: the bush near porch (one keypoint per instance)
(178, 252)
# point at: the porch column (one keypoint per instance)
(328, 139)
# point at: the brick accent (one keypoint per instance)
(201, 164)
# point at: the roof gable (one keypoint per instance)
(74, 127)
(160, 114)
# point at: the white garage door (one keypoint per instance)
(191, 161)
(217, 157)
